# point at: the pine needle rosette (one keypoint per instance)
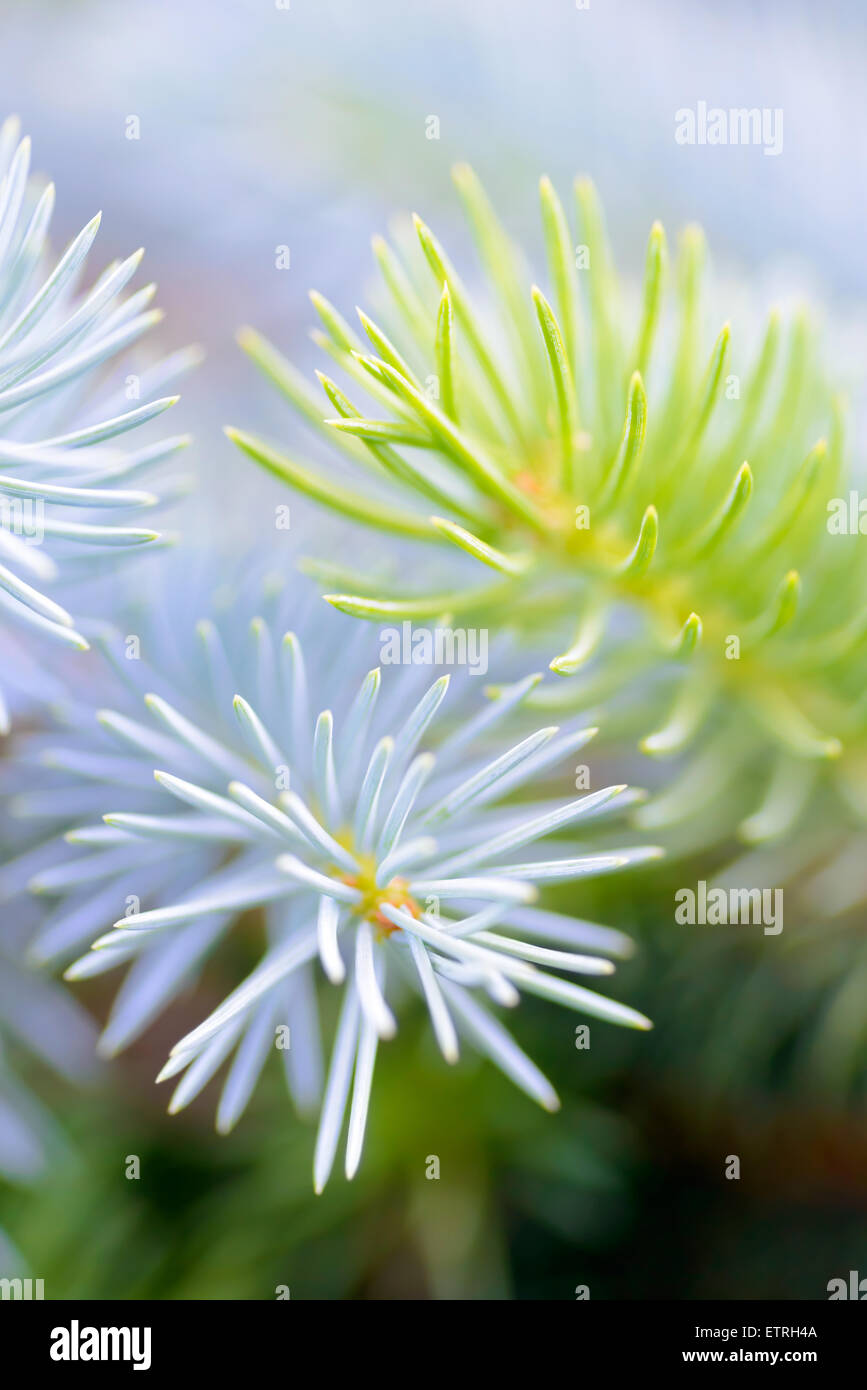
(62, 469)
(385, 841)
(612, 478)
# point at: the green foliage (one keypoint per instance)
(626, 482)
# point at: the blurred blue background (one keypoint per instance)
(266, 122)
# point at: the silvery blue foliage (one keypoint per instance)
(37, 1017)
(40, 1021)
(62, 470)
(371, 832)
